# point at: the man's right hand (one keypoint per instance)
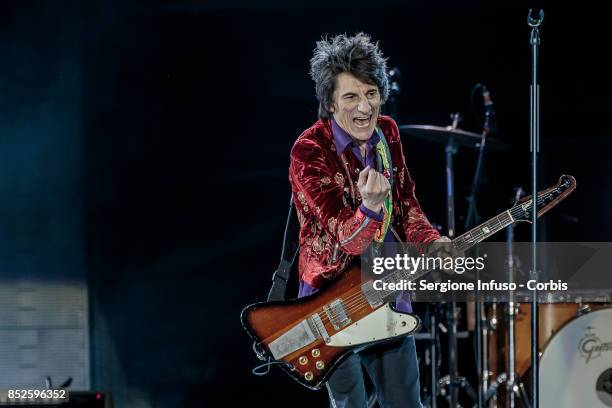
(373, 187)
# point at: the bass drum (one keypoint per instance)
(552, 316)
(576, 366)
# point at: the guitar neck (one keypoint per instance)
(520, 212)
(485, 230)
(461, 243)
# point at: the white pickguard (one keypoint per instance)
(383, 323)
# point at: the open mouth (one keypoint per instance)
(363, 121)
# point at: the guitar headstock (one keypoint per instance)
(547, 199)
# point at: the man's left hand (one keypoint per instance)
(443, 247)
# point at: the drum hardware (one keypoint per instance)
(554, 320)
(472, 218)
(432, 357)
(472, 214)
(451, 150)
(452, 136)
(583, 309)
(453, 380)
(460, 382)
(492, 391)
(451, 313)
(434, 362)
(394, 90)
(463, 334)
(440, 134)
(518, 389)
(514, 385)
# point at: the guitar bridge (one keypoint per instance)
(319, 327)
(337, 315)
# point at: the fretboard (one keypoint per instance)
(483, 231)
(545, 200)
(461, 243)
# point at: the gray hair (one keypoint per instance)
(356, 55)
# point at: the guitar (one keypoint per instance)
(310, 336)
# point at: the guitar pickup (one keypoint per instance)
(337, 314)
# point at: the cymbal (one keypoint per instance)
(441, 134)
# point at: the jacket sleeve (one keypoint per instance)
(319, 191)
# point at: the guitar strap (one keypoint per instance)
(279, 281)
(385, 165)
(287, 258)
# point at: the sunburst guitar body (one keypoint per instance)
(310, 336)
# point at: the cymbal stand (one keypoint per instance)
(472, 219)
(390, 106)
(453, 380)
(432, 358)
(451, 150)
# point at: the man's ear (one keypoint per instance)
(331, 108)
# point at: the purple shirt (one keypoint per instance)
(342, 141)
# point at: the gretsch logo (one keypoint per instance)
(590, 346)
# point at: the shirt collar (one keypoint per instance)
(342, 139)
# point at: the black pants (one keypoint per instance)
(394, 371)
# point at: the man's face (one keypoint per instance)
(355, 106)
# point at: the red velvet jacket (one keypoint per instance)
(333, 230)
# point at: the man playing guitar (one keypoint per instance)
(351, 188)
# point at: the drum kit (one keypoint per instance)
(573, 366)
(575, 339)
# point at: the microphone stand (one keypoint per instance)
(471, 219)
(514, 385)
(472, 214)
(534, 133)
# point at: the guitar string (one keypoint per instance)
(349, 300)
(356, 301)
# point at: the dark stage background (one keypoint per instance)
(148, 143)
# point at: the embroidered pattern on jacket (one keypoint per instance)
(363, 224)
